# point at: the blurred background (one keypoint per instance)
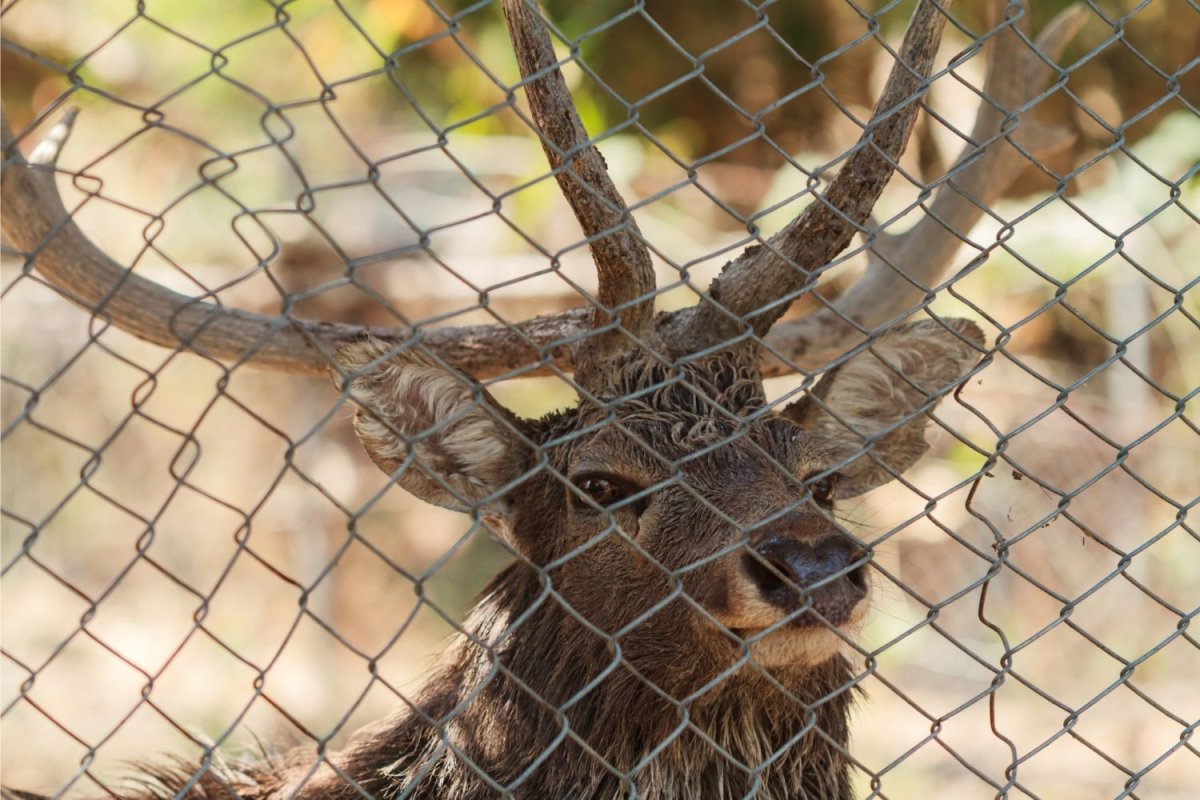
(193, 554)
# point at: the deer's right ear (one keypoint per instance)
(437, 433)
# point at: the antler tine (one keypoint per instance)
(626, 276)
(760, 284)
(901, 269)
(36, 222)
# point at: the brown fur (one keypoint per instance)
(626, 650)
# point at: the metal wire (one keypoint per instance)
(80, 534)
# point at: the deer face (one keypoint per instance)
(729, 523)
(684, 493)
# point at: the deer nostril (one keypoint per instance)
(858, 578)
(770, 575)
(781, 571)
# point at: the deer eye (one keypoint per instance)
(604, 490)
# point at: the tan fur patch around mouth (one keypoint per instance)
(789, 647)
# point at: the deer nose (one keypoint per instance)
(825, 575)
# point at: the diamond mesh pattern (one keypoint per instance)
(196, 555)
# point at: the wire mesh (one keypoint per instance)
(202, 570)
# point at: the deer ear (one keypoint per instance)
(870, 411)
(438, 434)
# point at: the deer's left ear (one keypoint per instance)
(438, 434)
(870, 411)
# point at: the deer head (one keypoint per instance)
(674, 529)
(673, 481)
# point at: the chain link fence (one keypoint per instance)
(199, 559)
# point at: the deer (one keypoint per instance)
(680, 612)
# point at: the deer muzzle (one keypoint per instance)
(793, 572)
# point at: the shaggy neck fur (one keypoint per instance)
(673, 726)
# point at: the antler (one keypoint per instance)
(903, 269)
(759, 286)
(624, 271)
(36, 222)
